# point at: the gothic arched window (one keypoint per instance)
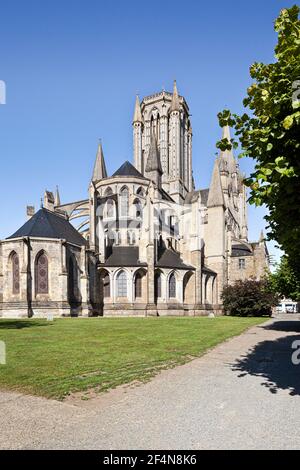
(73, 280)
(172, 286)
(124, 202)
(109, 211)
(15, 273)
(138, 284)
(41, 274)
(122, 284)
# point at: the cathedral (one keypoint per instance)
(145, 241)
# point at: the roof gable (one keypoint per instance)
(127, 169)
(47, 224)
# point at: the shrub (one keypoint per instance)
(249, 298)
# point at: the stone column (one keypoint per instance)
(147, 135)
(163, 147)
(137, 145)
(130, 287)
(25, 276)
(113, 287)
(179, 292)
(93, 204)
(63, 278)
(190, 176)
(175, 145)
(150, 249)
(84, 282)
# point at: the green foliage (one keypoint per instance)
(270, 135)
(284, 281)
(249, 298)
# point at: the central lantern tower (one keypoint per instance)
(165, 117)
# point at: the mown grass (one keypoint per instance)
(74, 354)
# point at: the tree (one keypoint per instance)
(270, 135)
(284, 281)
(249, 298)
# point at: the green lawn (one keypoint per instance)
(74, 354)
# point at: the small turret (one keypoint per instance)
(48, 200)
(57, 198)
(215, 196)
(137, 117)
(175, 106)
(99, 171)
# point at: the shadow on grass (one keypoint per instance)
(20, 324)
(272, 361)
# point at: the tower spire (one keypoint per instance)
(262, 236)
(226, 133)
(175, 99)
(215, 196)
(57, 197)
(137, 117)
(227, 160)
(99, 171)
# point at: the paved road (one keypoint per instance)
(243, 394)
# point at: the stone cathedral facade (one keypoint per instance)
(147, 242)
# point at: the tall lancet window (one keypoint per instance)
(172, 286)
(155, 123)
(124, 202)
(138, 285)
(15, 273)
(158, 129)
(109, 211)
(41, 274)
(122, 284)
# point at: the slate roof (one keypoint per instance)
(47, 224)
(127, 169)
(205, 269)
(240, 250)
(153, 160)
(171, 259)
(192, 196)
(124, 256)
(204, 195)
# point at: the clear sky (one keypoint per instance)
(72, 69)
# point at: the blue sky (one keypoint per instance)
(72, 69)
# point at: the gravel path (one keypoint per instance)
(245, 393)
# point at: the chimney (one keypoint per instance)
(49, 200)
(30, 211)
